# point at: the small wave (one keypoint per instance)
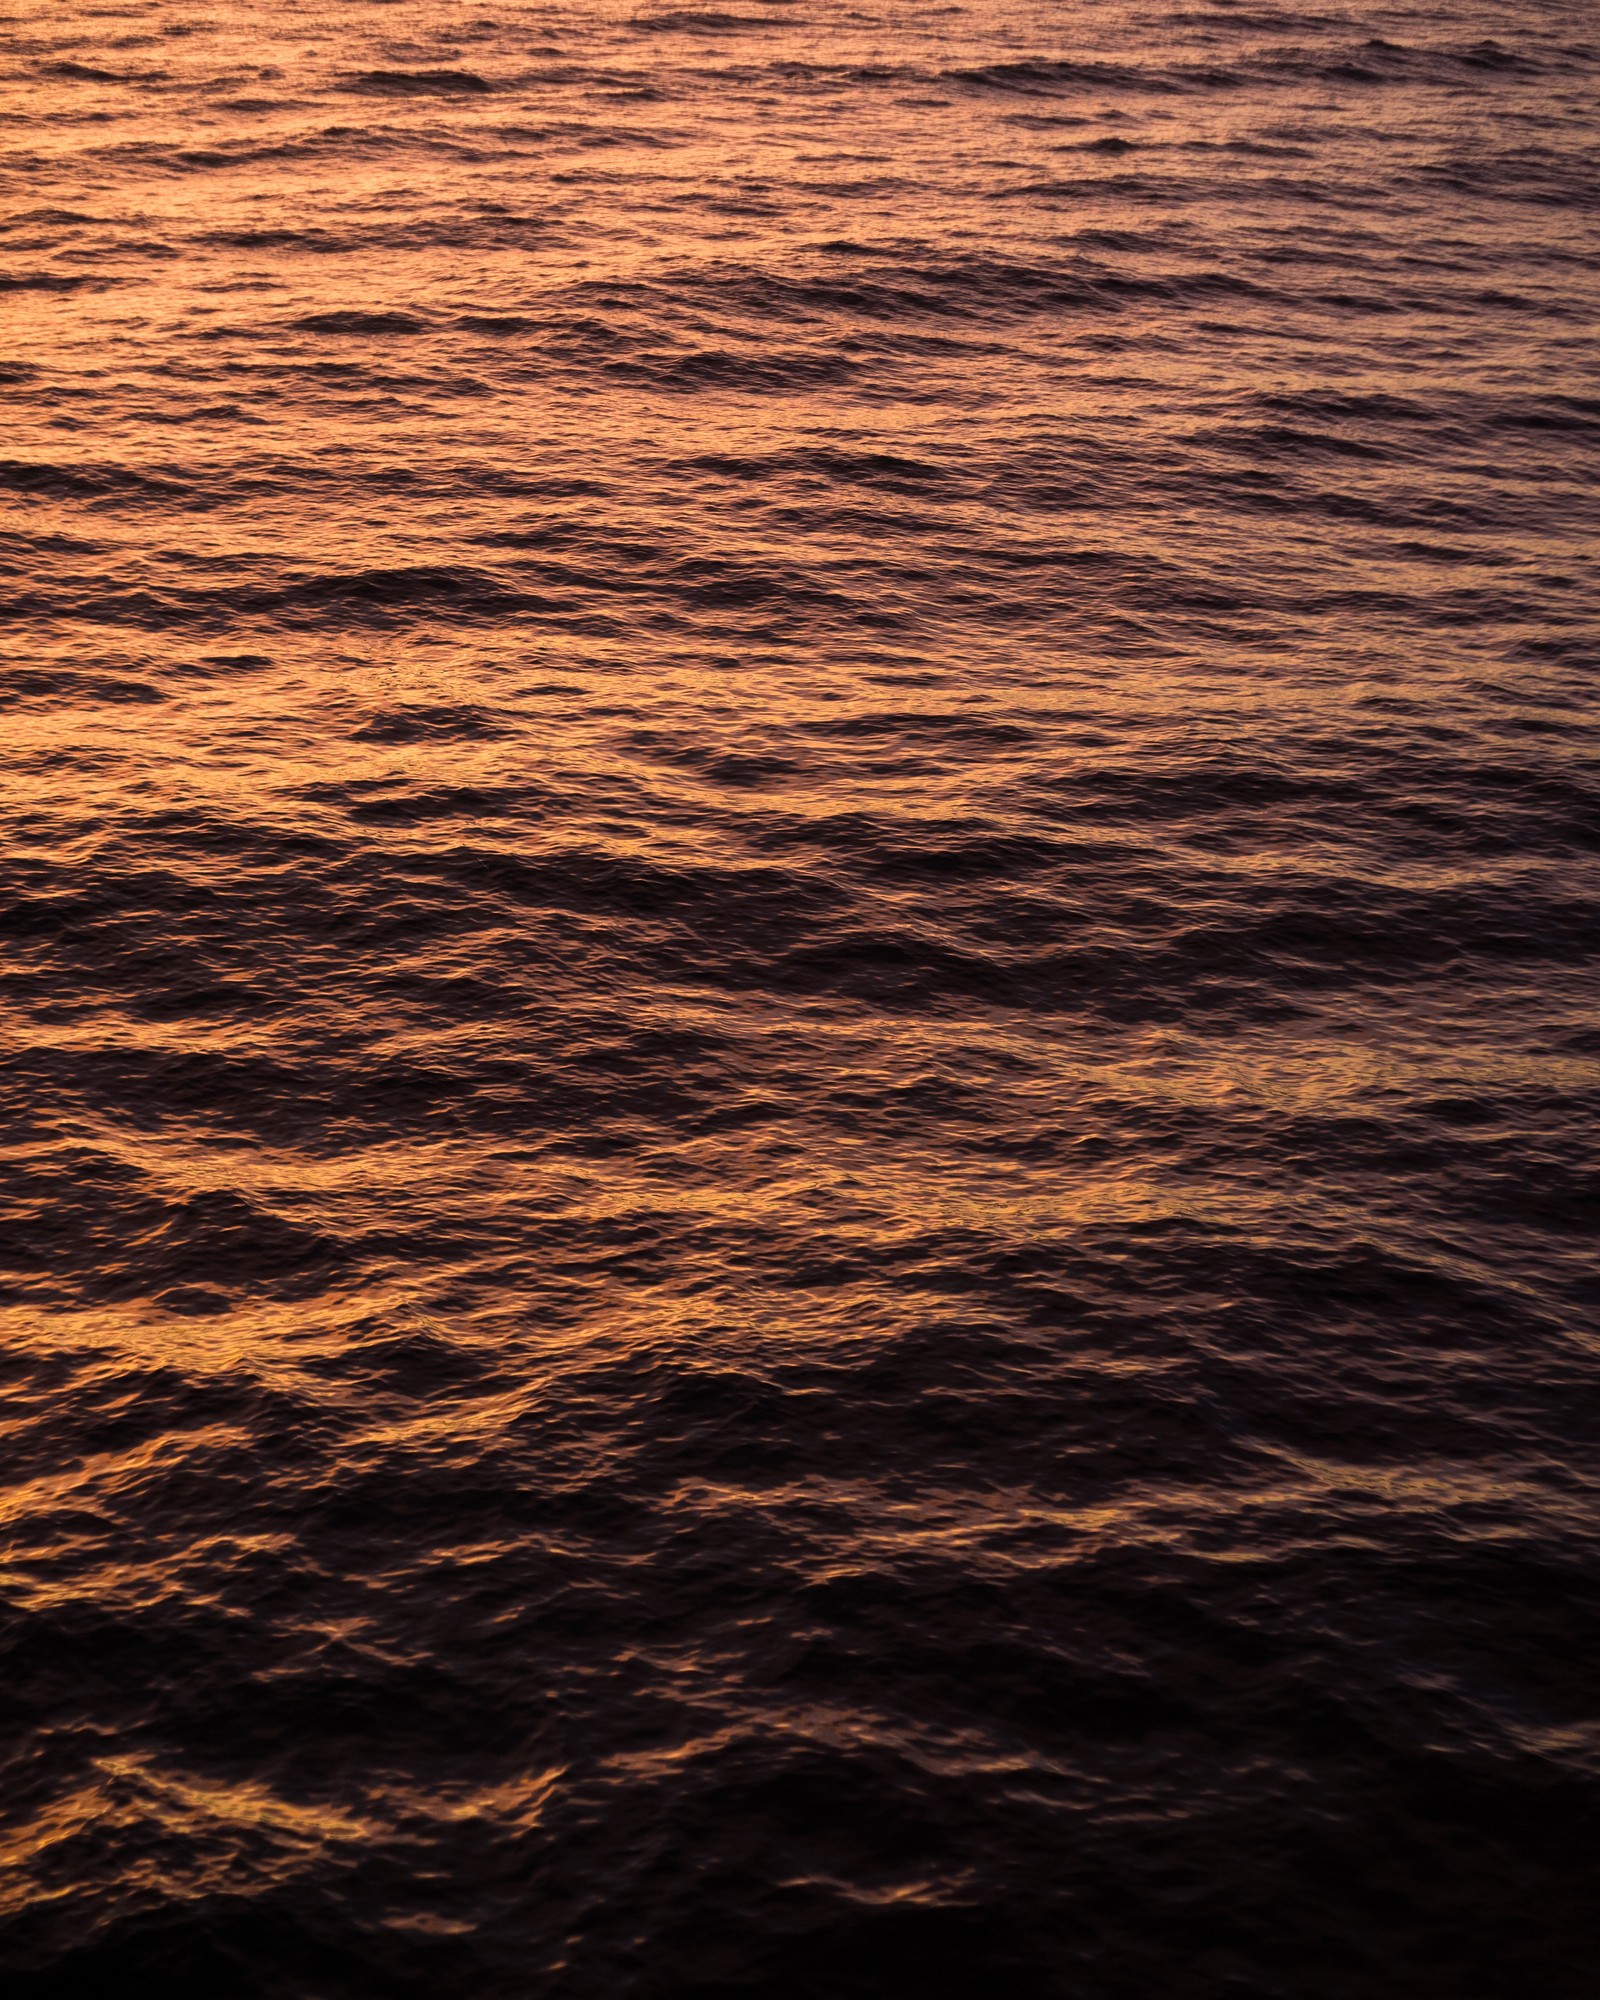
(351, 320)
(1036, 77)
(418, 83)
(84, 72)
(430, 724)
(688, 21)
(885, 469)
(86, 480)
(45, 281)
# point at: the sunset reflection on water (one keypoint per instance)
(799, 892)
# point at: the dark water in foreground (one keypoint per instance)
(800, 896)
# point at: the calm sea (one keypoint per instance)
(800, 882)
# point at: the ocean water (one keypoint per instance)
(801, 884)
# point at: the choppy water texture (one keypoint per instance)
(800, 894)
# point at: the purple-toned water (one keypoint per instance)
(800, 902)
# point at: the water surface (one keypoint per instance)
(799, 869)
